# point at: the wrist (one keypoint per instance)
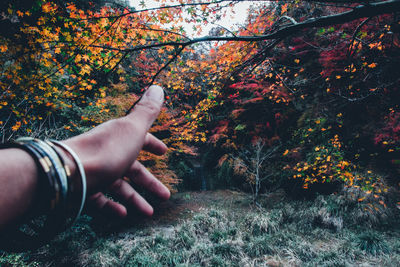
(75, 144)
(18, 191)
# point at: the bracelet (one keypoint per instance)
(59, 174)
(36, 229)
(48, 197)
(56, 196)
(82, 176)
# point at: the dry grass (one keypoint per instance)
(222, 228)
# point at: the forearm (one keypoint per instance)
(107, 153)
(18, 184)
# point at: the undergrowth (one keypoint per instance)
(328, 231)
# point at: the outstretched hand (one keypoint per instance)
(109, 151)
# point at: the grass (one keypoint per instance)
(222, 228)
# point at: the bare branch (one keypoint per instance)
(167, 64)
(163, 7)
(288, 18)
(350, 50)
(361, 11)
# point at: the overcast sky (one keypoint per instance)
(230, 21)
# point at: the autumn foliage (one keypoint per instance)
(325, 95)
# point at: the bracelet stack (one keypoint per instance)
(61, 197)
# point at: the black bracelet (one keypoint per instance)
(33, 229)
(58, 173)
(54, 197)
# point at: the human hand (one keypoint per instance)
(108, 154)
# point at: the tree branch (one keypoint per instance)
(361, 11)
(167, 64)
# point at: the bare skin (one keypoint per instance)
(108, 153)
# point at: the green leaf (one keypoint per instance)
(240, 127)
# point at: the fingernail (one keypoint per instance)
(155, 93)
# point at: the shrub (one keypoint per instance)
(259, 246)
(184, 239)
(227, 250)
(218, 261)
(217, 236)
(318, 163)
(372, 243)
(20, 260)
(326, 220)
(260, 223)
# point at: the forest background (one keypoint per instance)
(303, 96)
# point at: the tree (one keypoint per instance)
(250, 163)
(69, 65)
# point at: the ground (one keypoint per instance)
(225, 228)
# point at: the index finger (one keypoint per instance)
(147, 109)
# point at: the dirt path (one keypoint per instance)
(184, 205)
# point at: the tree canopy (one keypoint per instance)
(315, 81)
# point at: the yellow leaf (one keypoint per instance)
(85, 69)
(284, 8)
(16, 126)
(78, 58)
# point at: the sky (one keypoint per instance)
(230, 21)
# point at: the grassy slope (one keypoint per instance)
(222, 228)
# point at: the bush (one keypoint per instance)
(372, 243)
(260, 223)
(184, 238)
(16, 260)
(227, 250)
(259, 246)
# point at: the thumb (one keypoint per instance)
(147, 109)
